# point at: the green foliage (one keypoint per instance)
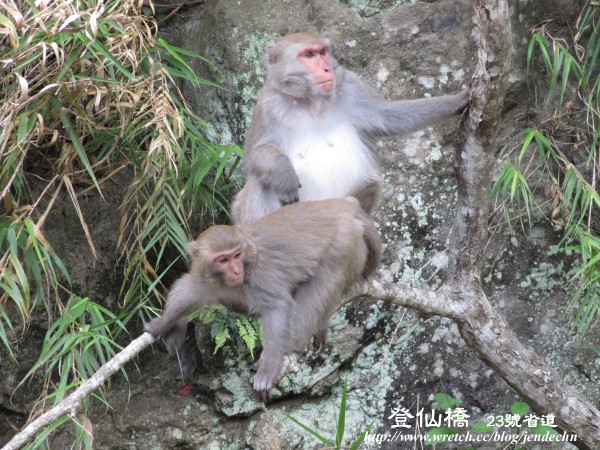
(84, 431)
(445, 401)
(588, 292)
(522, 409)
(248, 333)
(222, 321)
(519, 408)
(543, 430)
(75, 346)
(439, 435)
(513, 189)
(482, 427)
(559, 63)
(40, 441)
(90, 99)
(77, 343)
(568, 129)
(27, 256)
(340, 427)
(81, 104)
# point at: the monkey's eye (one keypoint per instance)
(309, 54)
(237, 255)
(323, 51)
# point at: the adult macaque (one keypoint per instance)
(290, 268)
(314, 128)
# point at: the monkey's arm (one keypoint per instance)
(265, 161)
(376, 116)
(406, 116)
(184, 297)
(274, 171)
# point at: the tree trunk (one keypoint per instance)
(462, 297)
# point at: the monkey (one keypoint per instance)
(314, 128)
(290, 268)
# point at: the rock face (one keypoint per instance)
(390, 357)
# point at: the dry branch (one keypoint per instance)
(488, 334)
(72, 403)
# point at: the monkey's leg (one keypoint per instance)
(369, 195)
(253, 202)
(314, 302)
(175, 338)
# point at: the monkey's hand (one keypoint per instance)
(155, 328)
(284, 181)
(173, 333)
(462, 101)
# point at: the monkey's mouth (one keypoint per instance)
(326, 85)
(235, 281)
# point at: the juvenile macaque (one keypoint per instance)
(290, 268)
(314, 128)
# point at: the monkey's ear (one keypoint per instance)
(193, 249)
(271, 55)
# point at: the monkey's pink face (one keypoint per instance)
(317, 60)
(230, 266)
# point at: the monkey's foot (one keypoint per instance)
(318, 342)
(263, 383)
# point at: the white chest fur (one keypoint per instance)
(329, 157)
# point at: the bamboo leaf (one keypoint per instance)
(323, 439)
(74, 137)
(341, 423)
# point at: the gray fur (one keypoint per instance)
(289, 103)
(299, 261)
